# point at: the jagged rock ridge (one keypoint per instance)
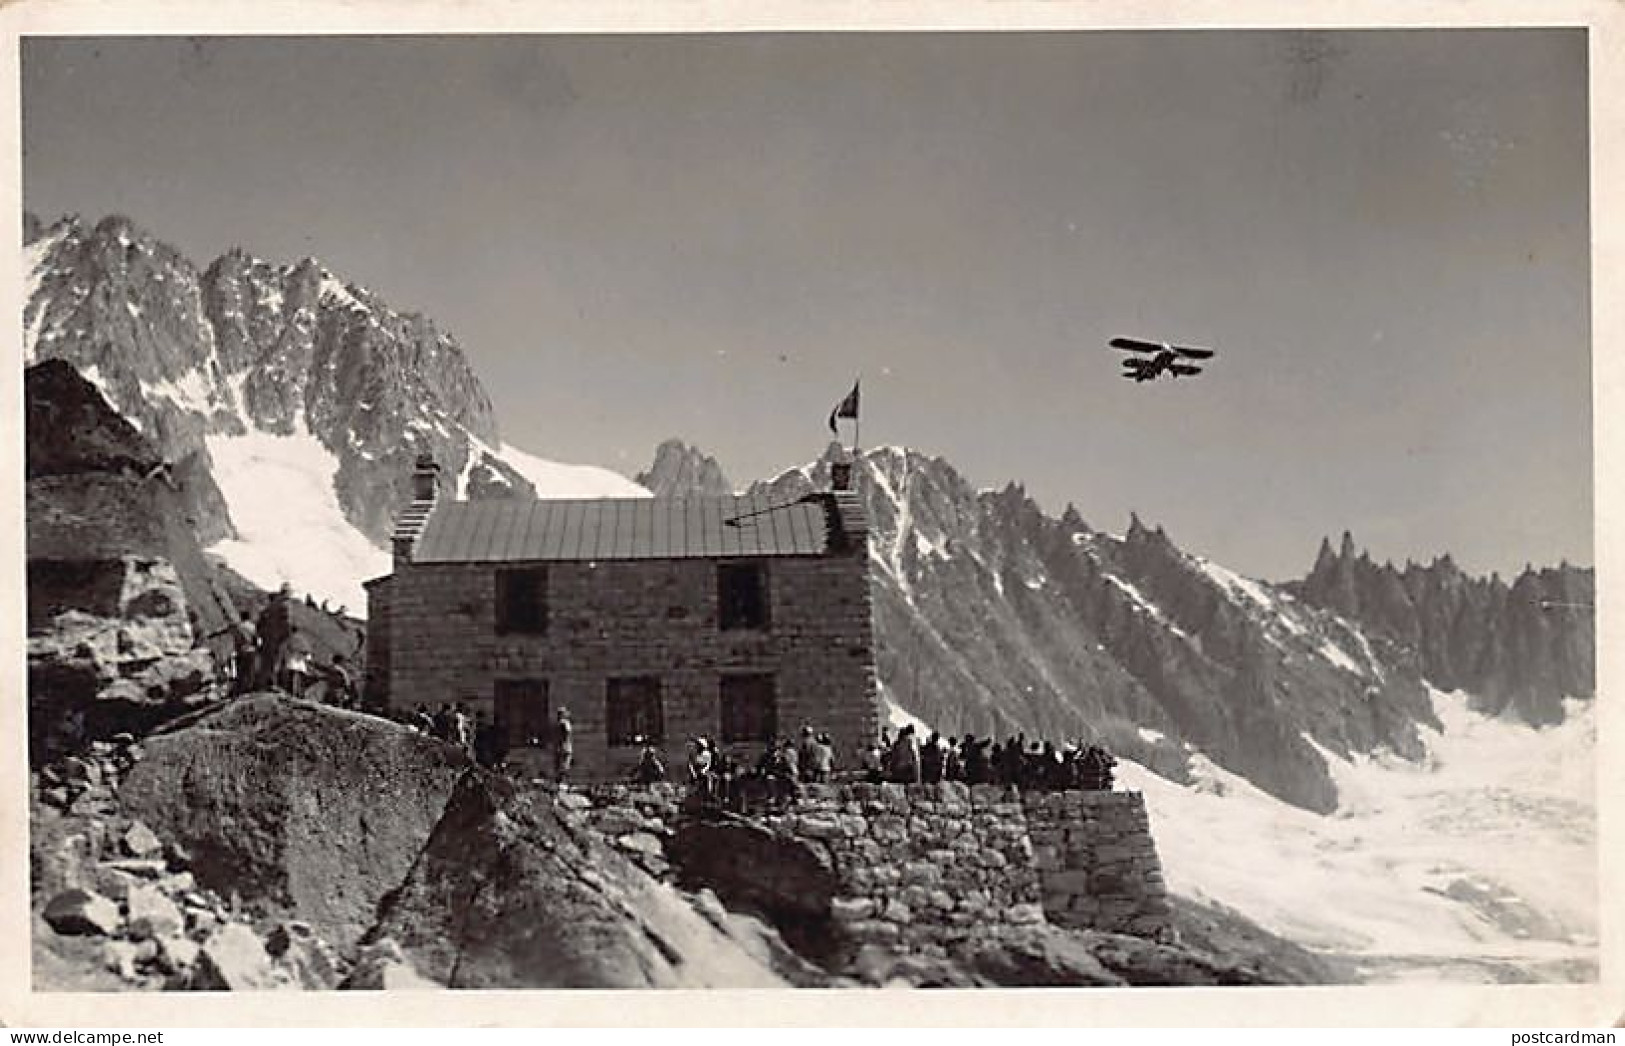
(1518, 648)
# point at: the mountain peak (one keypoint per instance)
(679, 470)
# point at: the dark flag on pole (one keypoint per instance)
(847, 408)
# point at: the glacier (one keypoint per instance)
(1478, 864)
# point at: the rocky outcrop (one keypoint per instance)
(120, 595)
(118, 906)
(512, 891)
(311, 810)
(682, 471)
(788, 880)
(1519, 649)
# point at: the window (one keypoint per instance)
(741, 595)
(633, 712)
(521, 711)
(749, 709)
(522, 601)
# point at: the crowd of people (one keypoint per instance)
(783, 766)
(1032, 766)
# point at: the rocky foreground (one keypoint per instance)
(270, 843)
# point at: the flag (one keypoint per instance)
(847, 408)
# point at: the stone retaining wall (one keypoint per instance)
(921, 868)
(1098, 862)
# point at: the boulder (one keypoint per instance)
(234, 959)
(151, 914)
(1042, 957)
(508, 895)
(381, 966)
(121, 957)
(789, 881)
(177, 954)
(140, 842)
(307, 959)
(641, 843)
(79, 911)
(313, 809)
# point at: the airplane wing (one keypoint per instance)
(1134, 345)
(1192, 353)
(1136, 364)
(1184, 368)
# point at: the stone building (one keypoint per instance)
(736, 618)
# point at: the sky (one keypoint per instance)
(1384, 235)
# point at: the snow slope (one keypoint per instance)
(279, 490)
(290, 527)
(555, 480)
(1478, 865)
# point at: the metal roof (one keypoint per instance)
(503, 530)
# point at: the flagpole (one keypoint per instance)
(857, 422)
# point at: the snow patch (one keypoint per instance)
(36, 266)
(555, 480)
(898, 717)
(279, 490)
(1146, 604)
(189, 392)
(1336, 655)
(331, 289)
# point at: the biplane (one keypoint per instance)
(1163, 358)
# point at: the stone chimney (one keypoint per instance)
(412, 520)
(425, 479)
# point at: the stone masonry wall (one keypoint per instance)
(923, 867)
(645, 617)
(1097, 862)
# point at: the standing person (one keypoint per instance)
(564, 747)
(296, 662)
(953, 762)
(650, 768)
(905, 757)
(699, 768)
(274, 626)
(807, 752)
(445, 725)
(245, 654)
(931, 759)
(487, 742)
(823, 765)
(462, 728)
(340, 684)
(975, 758)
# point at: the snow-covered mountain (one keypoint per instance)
(293, 402)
